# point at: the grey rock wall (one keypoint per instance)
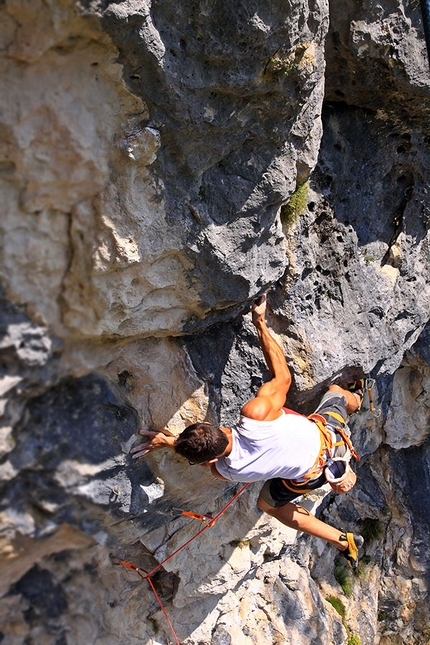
(162, 164)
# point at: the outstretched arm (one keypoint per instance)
(155, 441)
(271, 396)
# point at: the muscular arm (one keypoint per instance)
(271, 396)
(155, 441)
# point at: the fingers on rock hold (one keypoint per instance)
(259, 301)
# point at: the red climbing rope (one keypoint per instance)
(151, 584)
(146, 575)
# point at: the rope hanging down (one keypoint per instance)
(146, 575)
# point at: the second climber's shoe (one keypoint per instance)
(355, 542)
(358, 387)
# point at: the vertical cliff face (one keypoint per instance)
(154, 182)
(162, 164)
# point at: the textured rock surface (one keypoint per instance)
(161, 164)
(120, 196)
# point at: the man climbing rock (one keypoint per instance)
(292, 453)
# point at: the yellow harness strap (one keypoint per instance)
(326, 439)
(336, 416)
(326, 445)
(339, 430)
(347, 440)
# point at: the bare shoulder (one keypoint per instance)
(260, 409)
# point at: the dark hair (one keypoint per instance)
(201, 442)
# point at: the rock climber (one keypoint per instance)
(292, 453)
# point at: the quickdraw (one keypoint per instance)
(206, 519)
(208, 522)
(370, 382)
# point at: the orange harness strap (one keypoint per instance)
(326, 446)
(347, 440)
(326, 439)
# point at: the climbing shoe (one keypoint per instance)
(358, 387)
(355, 542)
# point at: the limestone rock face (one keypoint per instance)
(407, 420)
(141, 193)
(378, 59)
(161, 164)
(361, 255)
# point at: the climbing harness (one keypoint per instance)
(337, 470)
(327, 443)
(208, 521)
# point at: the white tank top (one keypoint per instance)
(287, 447)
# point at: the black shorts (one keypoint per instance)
(277, 492)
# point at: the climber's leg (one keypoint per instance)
(353, 399)
(300, 519)
(297, 517)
